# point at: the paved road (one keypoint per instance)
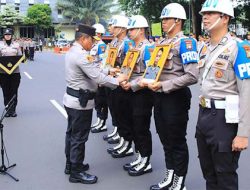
(35, 140)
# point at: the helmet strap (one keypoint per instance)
(173, 25)
(118, 32)
(217, 21)
(137, 33)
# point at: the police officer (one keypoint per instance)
(124, 148)
(31, 49)
(172, 97)
(140, 101)
(121, 42)
(101, 105)
(223, 124)
(82, 78)
(10, 83)
(113, 137)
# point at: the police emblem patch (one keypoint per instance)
(218, 74)
(90, 58)
(189, 44)
(9, 65)
(103, 48)
(226, 51)
(247, 50)
(204, 49)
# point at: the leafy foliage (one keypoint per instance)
(40, 16)
(10, 17)
(86, 11)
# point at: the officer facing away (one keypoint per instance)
(10, 83)
(223, 124)
(172, 97)
(82, 78)
(101, 104)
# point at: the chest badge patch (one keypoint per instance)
(90, 58)
(218, 74)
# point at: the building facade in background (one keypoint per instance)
(65, 29)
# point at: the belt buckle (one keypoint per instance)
(203, 102)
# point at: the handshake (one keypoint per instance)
(115, 72)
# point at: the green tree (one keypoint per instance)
(9, 17)
(39, 15)
(86, 11)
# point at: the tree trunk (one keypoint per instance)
(196, 7)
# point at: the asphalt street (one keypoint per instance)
(35, 140)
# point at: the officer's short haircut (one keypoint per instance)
(78, 35)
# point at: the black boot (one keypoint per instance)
(115, 139)
(115, 148)
(99, 128)
(108, 136)
(142, 168)
(166, 183)
(67, 169)
(77, 175)
(125, 150)
(130, 165)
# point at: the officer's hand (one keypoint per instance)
(239, 143)
(126, 85)
(113, 71)
(154, 86)
(122, 78)
(142, 83)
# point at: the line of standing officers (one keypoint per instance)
(223, 123)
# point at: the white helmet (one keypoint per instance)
(225, 7)
(99, 28)
(120, 21)
(137, 21)
(174, 10)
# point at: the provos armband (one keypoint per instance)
(101, 49)
(128, 44)
(242, 63)
(188, 51)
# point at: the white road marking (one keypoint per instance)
(27, 75)
(59, 108)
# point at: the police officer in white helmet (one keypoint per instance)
(100, 99)
(139, 101)
(172, 97)
(223, 125)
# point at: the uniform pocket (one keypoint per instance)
(218, 75)
(225, 159)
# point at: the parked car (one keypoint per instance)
(62, 43)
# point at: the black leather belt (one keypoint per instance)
(78, 93)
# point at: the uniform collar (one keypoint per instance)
(223, 41)
(171, 40)
(76, 44)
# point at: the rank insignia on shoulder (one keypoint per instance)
(226, 51)
(204, 49)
